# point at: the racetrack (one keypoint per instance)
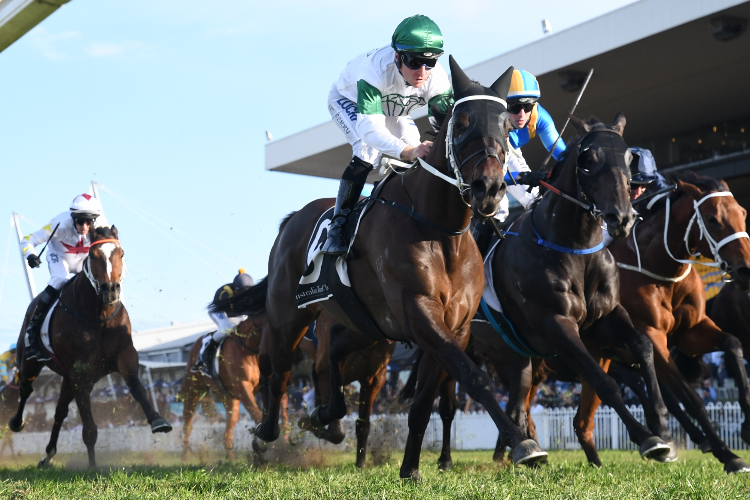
(332, 475)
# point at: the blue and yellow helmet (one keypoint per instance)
(523, 87)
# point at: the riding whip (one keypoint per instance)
(50, 239)
(572, 110)
(667, 189)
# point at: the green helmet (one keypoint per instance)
(418, 34)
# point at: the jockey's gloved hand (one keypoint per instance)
(531, 179)
(34, 260)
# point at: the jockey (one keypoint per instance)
(225, 323)
(371, 102)
(68, 248)
(643, 170)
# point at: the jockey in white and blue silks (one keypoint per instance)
(371, 103)
(68, 248)
(226, 323)
(643, 169)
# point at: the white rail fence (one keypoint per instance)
(470, 431)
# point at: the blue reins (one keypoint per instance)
(548, 244)
(515, 343)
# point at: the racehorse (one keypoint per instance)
(559, 289)
(666, 299)
(90, 335)
(239, 376)
(731, 312)
(368, 367)
(418, 275)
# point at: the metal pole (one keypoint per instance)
(111, 387)
(29, 277)
(151, 388)
(95, 190)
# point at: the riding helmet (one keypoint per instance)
(85, 206)
(242, 280)
(523, 87)
(418, 34)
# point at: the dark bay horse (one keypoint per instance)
(239, 374)
(731, 312)
(368, 367)
(90, 336)
(562, 296)
(419, 282)
(666, 298)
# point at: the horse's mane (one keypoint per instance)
(285, 220)
(702, 182)
(105, 233)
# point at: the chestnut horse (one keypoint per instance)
(368, 367)
(91, 337)
(239, 375)
(418, 274)
(667, 301)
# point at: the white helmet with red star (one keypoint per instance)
(85, 206)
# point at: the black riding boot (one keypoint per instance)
(204, 360)
(36, 349)
(350, 188)
(483, 236)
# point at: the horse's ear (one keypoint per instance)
(619, 124)
(502, 84)
(690, 189)
(461, 82)
(114, 233)
(582, 127)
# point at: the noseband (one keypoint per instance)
(714, 245)
(87, 265)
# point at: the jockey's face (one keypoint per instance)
(414, 77)
(520, 119)
(636, 191)
(82, 226)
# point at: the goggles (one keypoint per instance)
(514, 109)
(80, 221)
(413, 61)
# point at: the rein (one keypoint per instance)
(87, 264)
(648, 273)
(83, 318)
(552, 246)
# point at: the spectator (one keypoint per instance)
(708, 393)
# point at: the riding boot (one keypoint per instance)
(350, 188)
(203, 364)
(36, 349)
(482, 233)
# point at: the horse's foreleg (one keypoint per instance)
(429, 377)
(341, 346)
(61, 412)
(232, 407)
(247, 397)
(190, 396)
(673, 407)
(368, 392)
(16, 423)
(127, 365)
(583, 422)
(82, 394)
(434, 337)
(447, 409)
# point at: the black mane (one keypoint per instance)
(701, 181)
(285, 220)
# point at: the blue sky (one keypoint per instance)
(165, 103)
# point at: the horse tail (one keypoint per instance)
(410, 388)
(251, 301)
(693, 368)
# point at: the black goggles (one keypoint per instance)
(514, 109)
(80, 221)
(413, 61)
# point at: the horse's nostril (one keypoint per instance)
(612, 220)
(478, 188)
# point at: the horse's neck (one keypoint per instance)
(86, 300)
(562, 221)
(650, 237)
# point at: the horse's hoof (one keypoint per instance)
(653, 448)
(705, 446)
(306, 425)
(15, 425)
(745, 433)
(528, 452)
(669, 457)
(44, 463)
(736, 465)
(412, 476)
(315, 418)
(160, 425)
(445, 466)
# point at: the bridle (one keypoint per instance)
(87, 265)
(714, 245)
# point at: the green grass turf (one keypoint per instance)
(324, 475)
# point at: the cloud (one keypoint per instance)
(110, 49)
(51, 45)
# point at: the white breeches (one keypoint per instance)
(344, 115)
(224, 324)
(61, 265)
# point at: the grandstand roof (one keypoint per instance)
(18, 17)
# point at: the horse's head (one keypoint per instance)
(717, 225)
(602, 160)
(477, 138)
(104, 265)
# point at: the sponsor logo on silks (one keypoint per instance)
(54, 258)
(398, 105)
(313, 291)
(342, 125)
(349, 108)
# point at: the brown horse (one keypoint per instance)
(90, 336)
(701, 216)
(239, 375)
(731, 312)
(418, 274)
(368, 367)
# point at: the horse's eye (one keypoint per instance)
(713, 220)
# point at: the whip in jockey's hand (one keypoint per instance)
(531, 179)
(69, 237)
(225, 323)
(371, 103)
